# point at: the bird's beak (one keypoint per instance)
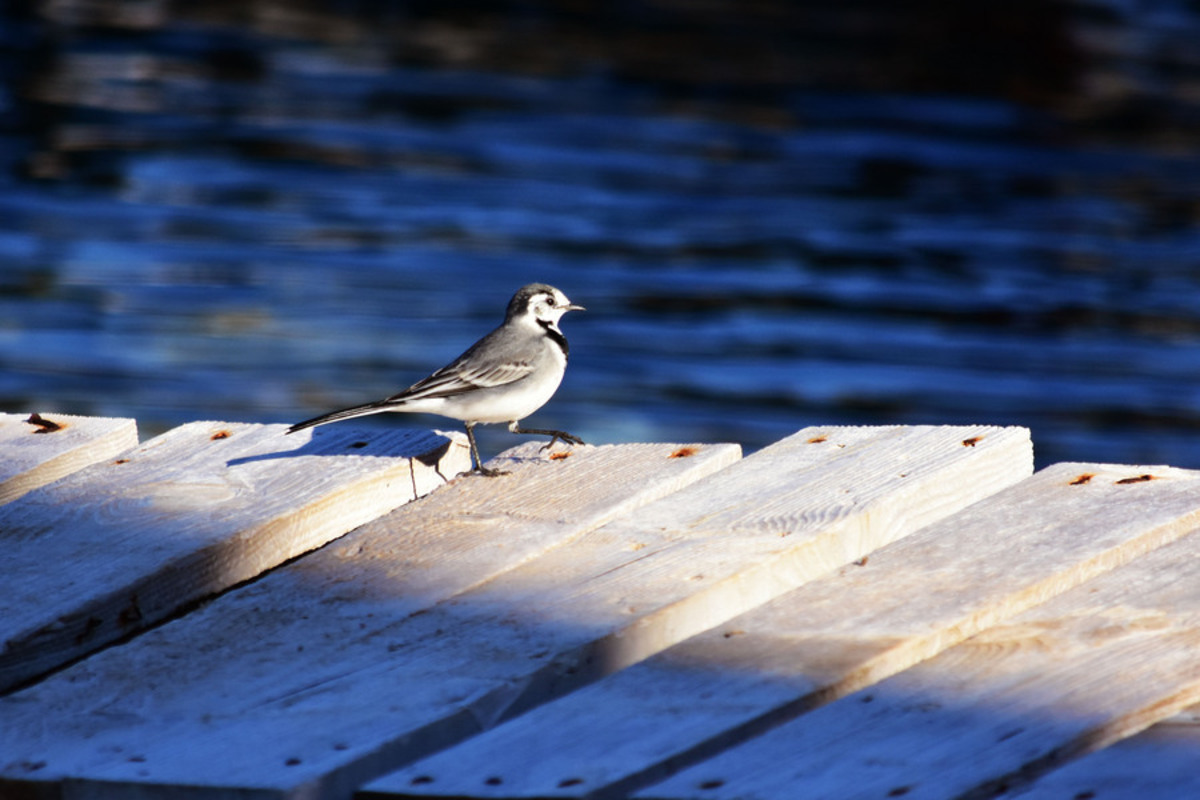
(573, 307)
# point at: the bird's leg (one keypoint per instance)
(479, 467)
(554, 435)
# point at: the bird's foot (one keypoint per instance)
(560, 436)
(554, 435)
(490, 473)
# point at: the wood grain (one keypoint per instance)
(34, 455)
(335, 689)
(1087, 668)
(821, 641)
(119, 545)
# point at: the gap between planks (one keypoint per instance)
(1092, 665)
(304, 624)
(1157, 764)
(821, 641)
(184, 516)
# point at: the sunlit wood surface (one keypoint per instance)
(849, 612)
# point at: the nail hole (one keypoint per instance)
(683, 452)
(1004, 737)
(899, 791)
(1082, 479)
(715, 783)
(1137, 479)
(44, 425)
(974, 440)
(561, 454)
(494, 781)
(565, 782)
(357, 445)
(131, 614)
(89, 628)
(421, 779)
(292, 762)
(818, 439)
(220, 435)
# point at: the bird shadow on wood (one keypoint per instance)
(425, 446)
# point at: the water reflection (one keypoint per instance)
(777, 214)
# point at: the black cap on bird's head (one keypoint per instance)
(531, 293)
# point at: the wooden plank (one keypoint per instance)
(233, 666)
(119, 545)
(1089, 667)
(37, 454)
(822, 641)
(383, 688)
(1160, 763)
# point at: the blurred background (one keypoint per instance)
(778, 213)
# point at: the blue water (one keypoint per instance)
(209, 219)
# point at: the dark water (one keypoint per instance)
(777, 214)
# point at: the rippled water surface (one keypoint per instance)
(776, 218)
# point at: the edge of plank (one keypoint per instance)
(36, 455)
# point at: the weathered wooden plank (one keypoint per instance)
(1160, 763)
(1089, 667)
(819, 642)
(232, 671)
(315, 714)
(119, 545)
(36, 453)
(481, 530)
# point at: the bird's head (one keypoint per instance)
(540, 302)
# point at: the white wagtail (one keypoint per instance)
(504, 377)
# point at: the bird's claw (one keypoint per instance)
(490, 473)
(564, 436)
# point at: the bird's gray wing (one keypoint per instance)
(492, 361)
(452, 380)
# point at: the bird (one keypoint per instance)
(504, 377)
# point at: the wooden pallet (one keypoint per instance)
(224, 611)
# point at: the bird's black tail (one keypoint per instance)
(345, 413)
